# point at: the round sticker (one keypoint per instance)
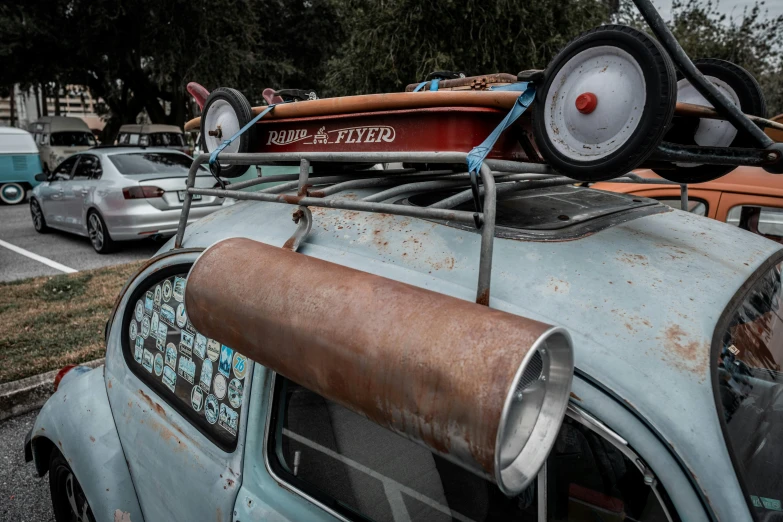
(158, 293)
(219, 386)
(182, 317)
(158, 364)
(196, 398)
(213, 350)
(235, 393)
(145, 327)
(166, 290)
(240, 366)
(134, 330)
(211, 409)
(139, 310)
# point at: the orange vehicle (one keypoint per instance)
(748, 197)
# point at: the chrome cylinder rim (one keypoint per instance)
(95, 230)
(617, 81)
(12, 193)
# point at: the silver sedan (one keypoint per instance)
(118, 194)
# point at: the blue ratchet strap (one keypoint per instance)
(213, 164)
(433, 85)
(479, 153)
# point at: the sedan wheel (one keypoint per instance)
(38, 218)
(68, 499)
(12, 193)
(99, 236)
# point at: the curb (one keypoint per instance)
(24, 395)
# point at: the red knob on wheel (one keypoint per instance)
(586, 102)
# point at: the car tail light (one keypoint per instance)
(142, 192)
(61, 374)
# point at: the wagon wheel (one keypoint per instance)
(605, 105)
(739, 86)
(225, 112)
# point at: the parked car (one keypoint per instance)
(19, 163)
(153, 135)
(118, 194)
(749, 197)
(674, 413)
(58, 137)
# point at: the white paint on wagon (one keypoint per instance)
(36, 257)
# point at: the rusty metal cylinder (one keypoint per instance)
(484, 388)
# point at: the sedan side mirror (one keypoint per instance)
(41, 177)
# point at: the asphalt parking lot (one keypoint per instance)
(67, 250)
(24, 497)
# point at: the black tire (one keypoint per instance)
(660, 82)
(244, 114)
(98, 234)
(68, 499)
(751, 99)
(39, 221)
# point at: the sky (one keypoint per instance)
(733, 9)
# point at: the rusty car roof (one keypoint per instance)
(743, 180)
(641, 299)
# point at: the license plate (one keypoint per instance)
(181, 195)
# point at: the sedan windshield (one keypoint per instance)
(72, 139)
(750, 388)
(168, 163)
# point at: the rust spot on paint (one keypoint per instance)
(92, 439)
(109, 384)
(154, 405)
(575, 397)
(684, 352)
(633, 259)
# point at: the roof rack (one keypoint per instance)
(303, 190)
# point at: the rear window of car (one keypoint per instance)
(168, 163)
(166, 139)
(203, 379)
(72, 139)
(750, 390)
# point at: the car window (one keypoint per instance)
(63, 170)
(695, 206)
(89, 167)
(169, 163)
(72, 139)
(364, 471)
(166, 139)
(201, 378)
(133, 139)
(766, 221)
(123, 138)
(749, 371)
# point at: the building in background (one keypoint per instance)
(28, 106)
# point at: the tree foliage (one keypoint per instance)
(391, 43)
(750, 39)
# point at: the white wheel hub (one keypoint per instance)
(709, 133)
(616, 80)
(222, 123)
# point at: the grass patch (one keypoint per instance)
(48, 322)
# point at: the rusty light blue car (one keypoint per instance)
(674, 412)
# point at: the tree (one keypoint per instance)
(751, 40)
(138, 55)
(393, 43)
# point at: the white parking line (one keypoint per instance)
(40, 259)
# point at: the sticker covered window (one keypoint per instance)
(199, 376)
